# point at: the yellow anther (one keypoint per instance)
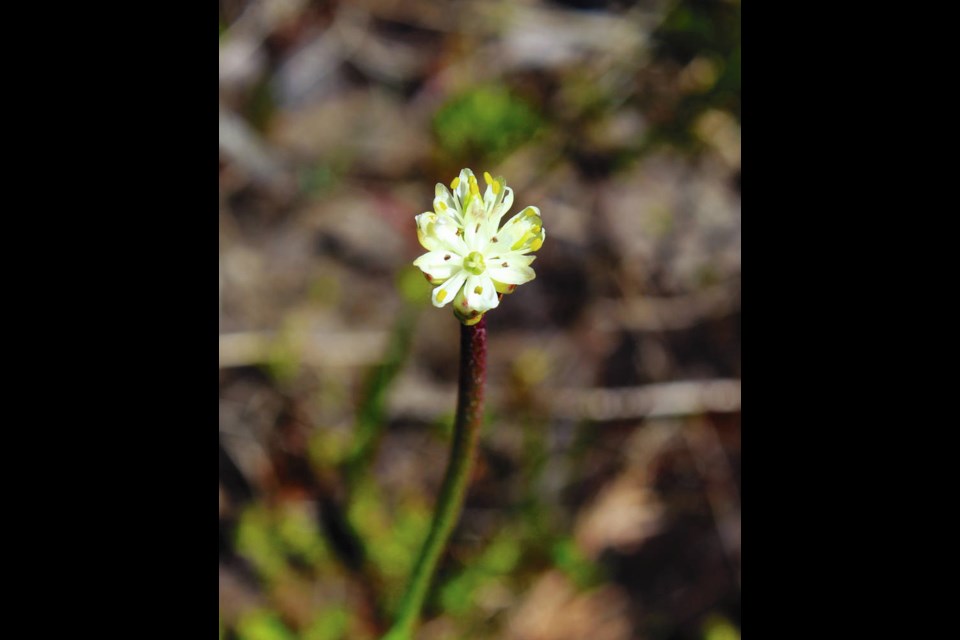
(441, 295)
(496, 188)
(443, 205)
(455, 183)
(474, 189)
(478, 289)
(531, 211)
(536, 244)
(488, 178)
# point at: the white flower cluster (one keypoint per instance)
(471, 259)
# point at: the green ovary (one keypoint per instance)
(474, 263)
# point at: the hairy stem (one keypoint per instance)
(466, 428)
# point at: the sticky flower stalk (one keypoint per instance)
(466, 429)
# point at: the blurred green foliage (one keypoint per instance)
(719, 628)
(498, 560)
(392, 539)
(331, 624)
(370, 417)
(257, 541)
(284, 356)
(297, 531)
(703, 37)
(410, 284)
(570, 560)
(261, 105)
(325, 290)
(318, 179)
(486, 122)
(273, 538)
(283, 360)
(262, 624)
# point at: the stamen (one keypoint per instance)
(455, 183)
(478, 290)
(488, 179)
(441, 295)
(496, 188)
(443, 206)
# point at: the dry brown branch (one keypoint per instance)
(664, 314)
(328, 349)
(425, 401)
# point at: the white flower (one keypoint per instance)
(471, 259)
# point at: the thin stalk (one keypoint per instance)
(466, 428)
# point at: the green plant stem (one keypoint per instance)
(466, 428)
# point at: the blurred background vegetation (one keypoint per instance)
(606, 499)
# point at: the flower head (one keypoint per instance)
(472, 260)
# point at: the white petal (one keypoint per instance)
(500, 209)
(480, 294)
(425, 231)
(475, 226)
(464, 187)
(449, 234)
(511, 268)
(512, 277)
(507, 201)
(440, 233)
(445, 204)
(493, 193)
(489, 198)
(523, 232)
(439, 265)
(446, 292)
